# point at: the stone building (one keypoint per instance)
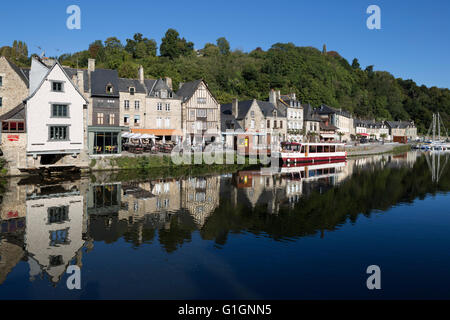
(132, 94)
(339, 118)
(13, 85)
(311, 127)
(294, 113)
(163, 110)
(402, 129)
(262, 122)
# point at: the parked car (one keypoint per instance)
(363, 140)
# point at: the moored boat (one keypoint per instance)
(292, 152)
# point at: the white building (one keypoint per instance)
(55, 116)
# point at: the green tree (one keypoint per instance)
(140, 47)
(223, 45)
(172, 46)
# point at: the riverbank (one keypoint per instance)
(376, 149)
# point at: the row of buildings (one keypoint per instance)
(59, 116)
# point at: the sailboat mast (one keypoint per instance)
(434, 127)
(439, 126)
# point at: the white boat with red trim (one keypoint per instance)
(292, 152)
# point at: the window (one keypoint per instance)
(136, 105)
(109, 88)
(201, 113)
(59, 110)
(167, 123)
(159, 106)
(158, 122)
(281, 124)
(58, 133)
(252, 124)
(268, 124)
(1, 102)
(274, 124)
(57, 86)
(201, 100)
(132, 90)
(126, 118)
(163, 94)
(137, 120)
(112, 118)
(252, 114)
(100, 118)
(106, 143)
(13, 126)
(167, 106)
(1, 81)
(126, 104)
(58, 214)
(192, 114)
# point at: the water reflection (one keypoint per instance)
(51, 224)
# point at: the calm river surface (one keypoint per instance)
(306, 233)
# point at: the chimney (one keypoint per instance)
(293, 97)
(273, 97)
(80, 80)
(180, 85)
(91, 65)
(235, 107)
(141, 74)
(278, 95)
(168, 82)
(49, 62)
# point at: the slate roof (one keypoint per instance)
(266, 108)
(100, 78)
(324, 109)
(158, 85)
(16, 113)
(188, 89)
(243, 107)
(399, 124)
(309, 114)
(71, 72)
(228, 121)
(367, 123)
(125, 84)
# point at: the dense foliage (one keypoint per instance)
(315, 76)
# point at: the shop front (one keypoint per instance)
(105, 140)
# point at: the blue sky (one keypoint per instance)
(413, 42)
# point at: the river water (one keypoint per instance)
(305, 233)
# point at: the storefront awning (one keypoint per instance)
(159, 132)
(363, 134)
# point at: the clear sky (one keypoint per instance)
(413, 43)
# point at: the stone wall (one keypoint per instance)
(13, 90)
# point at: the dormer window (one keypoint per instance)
(274, 113)
(163, 94)
(132, 91)
(109, 88)
(57, 86)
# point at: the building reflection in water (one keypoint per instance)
(47, 224)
